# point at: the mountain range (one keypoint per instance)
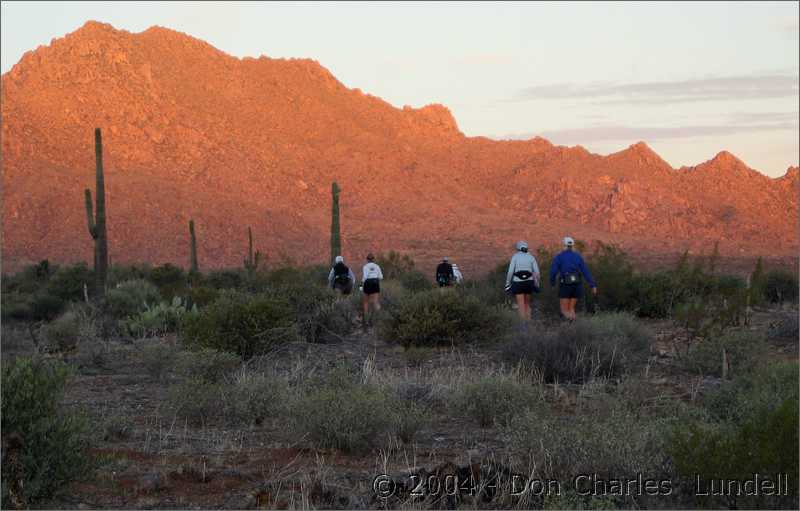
(192, 133)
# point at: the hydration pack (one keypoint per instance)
(341, 273)
(523, 274)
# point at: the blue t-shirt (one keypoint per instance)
(569, 261)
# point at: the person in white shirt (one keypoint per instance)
(372, 276)
(457, 274)
(523, 279)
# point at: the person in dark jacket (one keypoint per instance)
(341, 277)
(571, 270)
(444, 273)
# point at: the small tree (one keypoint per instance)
(193, 258)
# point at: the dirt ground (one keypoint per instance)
(159, 460)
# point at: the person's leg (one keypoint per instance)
(520, 298)
(563, 304)
(572, 303)
(527, 307)
(376, 300)
(365, 305)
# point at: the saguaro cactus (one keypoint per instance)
(251, 262)
(97, 221)
(193, 260)
(336, 236)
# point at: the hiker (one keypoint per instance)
(371, 285)
(341, 277)
(571, 268)
(444, 273)
(457, 274)
(522, 279)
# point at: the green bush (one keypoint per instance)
(226, 279)
(496, 399)
(207, 364)
(611, 267)
(415, 281)
(657, 294)
(605, 345)
(394, 264)
(239, 323)
(131, 297)
(53, 440)
(62, 333)
(743, 350)
(68, 282)
(752, 394)
(170, 280)
(202, 296)
(158, 358)
(409, 418)
(613, 444)
(157, 319)
(781, 286)
(766, 444)
(119, 273)
(254, 397)
(197, 400)
(442, 317)
(350, 416)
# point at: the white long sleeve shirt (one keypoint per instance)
(372, 271)
(522, 261)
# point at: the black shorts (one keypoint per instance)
(570, 290)
(345, 287)
(372, 286)
(524, 287)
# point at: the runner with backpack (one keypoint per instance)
(444, 273)
(341, 278)
(571, 268)
(371, 287)
(522, 279)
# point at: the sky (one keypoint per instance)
(688, 78)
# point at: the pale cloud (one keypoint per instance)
(773, 85)
(588, 134)
(485, 59)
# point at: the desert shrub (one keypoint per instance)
(656, 294)
(409, 419)
(226, 279)
(394, 264)
(170, 280)
(67, 283)
(415, 281)
(62, 333)
(764, 444)
(490, 289)
(158, 358)
(157, 319)
(781, 286)
(197, 400)
(742, 348)
(329, 321)
(202, 296)
(605, 345)
(786, 327)
(611, 267)
(240, 323)
(207, 364)
(342, 413)
(496, 399)
(289, 276)
(131, 297)
(30, 279)
(16, 305)
(255, 396)
(119, 273)
(616, 444)
(441, 317)
(752, 394)
(53, 440)
(117, 429)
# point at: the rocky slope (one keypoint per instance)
(191, 132)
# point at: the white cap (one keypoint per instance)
(444, 259)
(339, 259)
(568, 242)
(521, 244)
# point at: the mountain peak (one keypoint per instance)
(728, 159)
(642, 155)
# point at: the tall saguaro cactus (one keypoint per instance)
(193, 260)
(97, 220)
(251, 262)
(336, 236)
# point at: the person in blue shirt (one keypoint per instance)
(572, 270)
